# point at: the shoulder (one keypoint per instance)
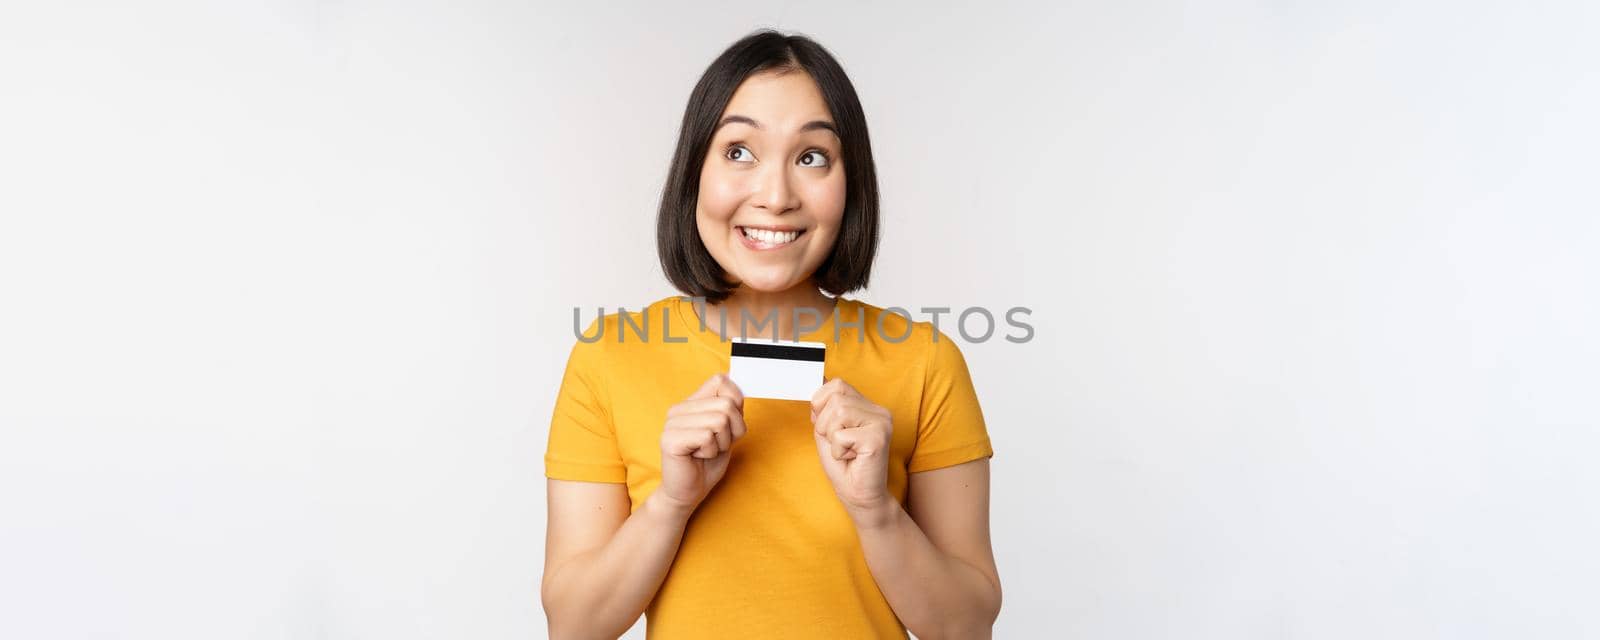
(599, 332)
(612, 317)
(895, 330)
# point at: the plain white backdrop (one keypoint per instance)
(286, 292)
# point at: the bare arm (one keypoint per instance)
(602, 565)
(935, 564)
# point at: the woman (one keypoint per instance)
(858, 514)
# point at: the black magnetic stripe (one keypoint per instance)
(778, 351)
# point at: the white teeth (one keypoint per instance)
(766, 236)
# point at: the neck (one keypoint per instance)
(770, 314)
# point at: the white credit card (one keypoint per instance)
(780, 370)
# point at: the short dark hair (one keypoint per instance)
(684, 258)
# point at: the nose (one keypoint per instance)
(773, 192)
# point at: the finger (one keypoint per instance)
(695, 443)
(704, 405)
(719, 423)
(860, 413)
(708, 389)
(728, 389)
(844, 445)
(835, 417)
(836, 385)
(838, 447)
(822, 421)
(825, 395)
(722, 407)
(736, 424)
(724, 436)
(709, 447)
(827, 388)
(674, 445)
(860, 442)
(831, 426)
(853, 420)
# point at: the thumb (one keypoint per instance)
(825, 452)
(730, 389)
(709, 388)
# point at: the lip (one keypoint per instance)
(761, 246)
(767, 227)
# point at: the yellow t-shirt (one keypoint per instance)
(770, 553)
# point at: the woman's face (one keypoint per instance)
(772, 188)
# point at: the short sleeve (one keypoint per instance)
(583, 441)
(950, 427)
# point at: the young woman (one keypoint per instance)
(858, 514)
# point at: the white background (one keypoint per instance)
(286, 291)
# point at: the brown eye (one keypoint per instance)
(738, 153)
(814, 158)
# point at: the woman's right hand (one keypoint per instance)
(697, 441)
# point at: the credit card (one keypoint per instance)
(778, 370)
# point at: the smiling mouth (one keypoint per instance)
(770, 238)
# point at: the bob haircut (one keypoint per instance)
(684, 258)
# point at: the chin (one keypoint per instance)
(767, 284)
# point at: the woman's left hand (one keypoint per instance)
(852, 437)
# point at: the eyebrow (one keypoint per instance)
(809, 126)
